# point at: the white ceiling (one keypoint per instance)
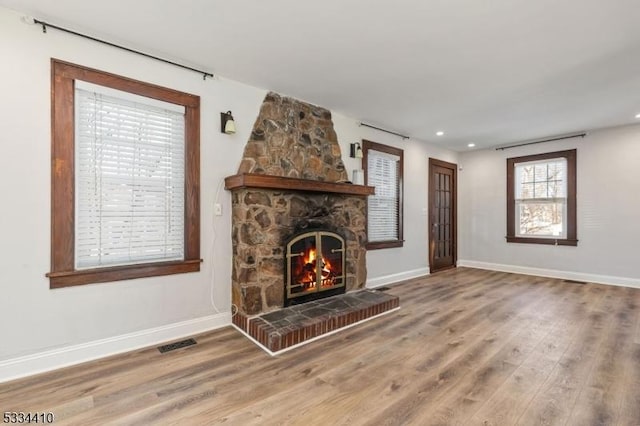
(491, 72)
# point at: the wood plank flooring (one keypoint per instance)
(468, 347)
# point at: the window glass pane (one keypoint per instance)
(527, 174)
(541, 179)
(556, 189)
(540, 172)
(540, 219)
(540, 190)
(524, 191)
(555, 170)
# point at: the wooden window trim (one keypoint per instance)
(366, 146)
(63, 272)
(571, 238)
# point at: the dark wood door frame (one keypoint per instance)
(434, 165)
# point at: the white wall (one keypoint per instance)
(34, 318)
(388, 265)
(37, 320)
(608, 206)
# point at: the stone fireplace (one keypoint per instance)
(298, 225)
(291, 180)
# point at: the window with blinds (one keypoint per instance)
(541, 198)
(125, 181)
(129, 178)
(384, 215)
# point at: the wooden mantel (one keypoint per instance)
(252, 180)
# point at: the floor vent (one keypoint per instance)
(574, 282)
(176, 345)
(382, 288)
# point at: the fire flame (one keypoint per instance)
(310, 257)
(308, 275)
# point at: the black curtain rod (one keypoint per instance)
(66, 30)
(383, 130)
(559, 138)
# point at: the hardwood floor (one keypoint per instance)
(468, 347)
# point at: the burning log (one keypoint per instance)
(307, 273)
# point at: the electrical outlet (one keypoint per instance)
(217, 209)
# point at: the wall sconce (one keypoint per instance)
(356, 150)
(227, 123)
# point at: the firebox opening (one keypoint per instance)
(315, 266)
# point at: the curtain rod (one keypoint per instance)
(383, 130)
(559, 138)
(45, 25)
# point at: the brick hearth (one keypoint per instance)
(279, 330)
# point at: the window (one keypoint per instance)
(125, 178)
(541, 199)
(383, 167)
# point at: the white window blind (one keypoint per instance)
(129, 174)
(541, 198)
(383, 172)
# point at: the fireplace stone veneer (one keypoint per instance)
(290, 196)
(291, 179)
(262, 222)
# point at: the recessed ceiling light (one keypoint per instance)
(440, 133)
(637, 115)
(471, 145)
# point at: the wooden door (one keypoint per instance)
(442, 215)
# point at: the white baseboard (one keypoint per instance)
(394, 278)
(28, 365)
(553, 273)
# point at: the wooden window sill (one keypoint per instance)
(384, 244)
(547, 241)
(59, 279)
